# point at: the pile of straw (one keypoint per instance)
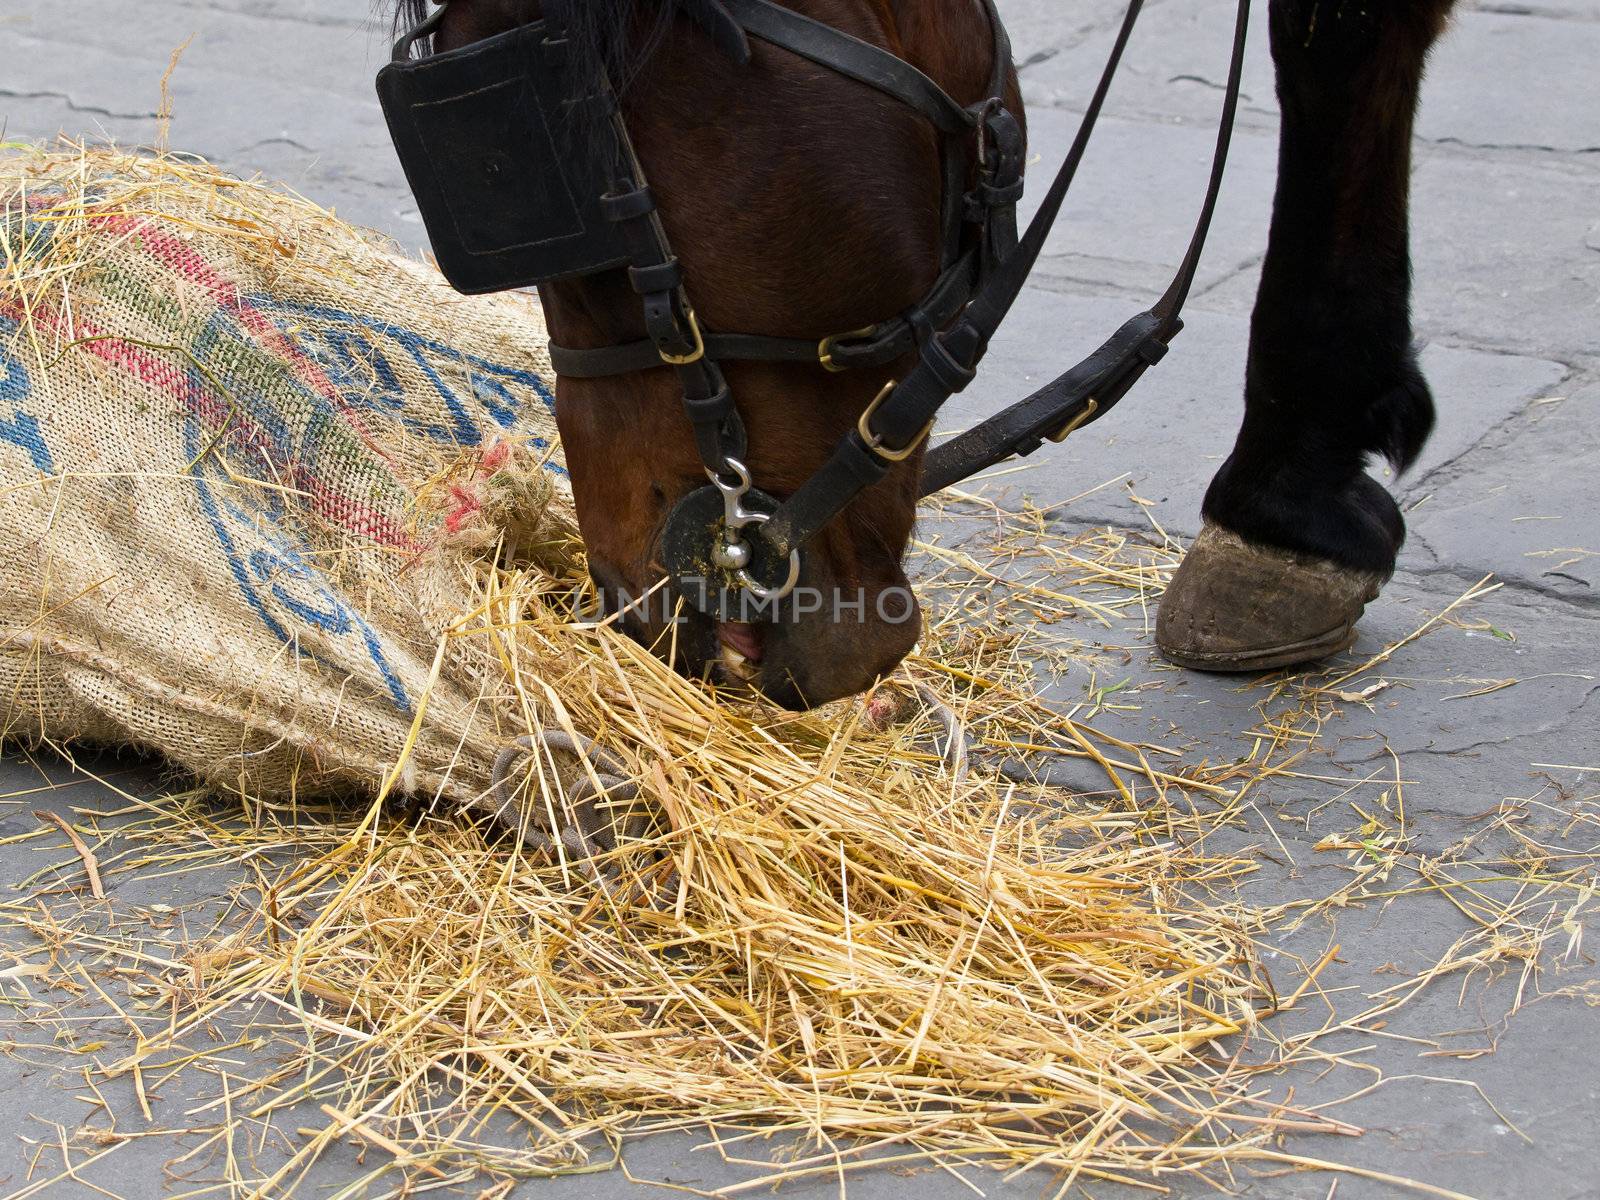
(829, 936)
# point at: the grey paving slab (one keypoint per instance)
(1491, 233)
(1497, 79)
(1509, 80)
(1524, 506)
(1174, 68)
(1503, 254)
(1173, 432)
(1579, 10)
(250, 42)
(1039, 29)
(1132, 209)
(215, 112)
(1461, 756)
(263, 89)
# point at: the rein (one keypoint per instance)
(503, 216)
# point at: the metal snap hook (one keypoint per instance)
(733, 553)
(734, 514)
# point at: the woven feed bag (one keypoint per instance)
(248, 458)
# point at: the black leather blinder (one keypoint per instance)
(508, 169)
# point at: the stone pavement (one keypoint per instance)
(1507, 233)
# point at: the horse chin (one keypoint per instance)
(814, 662)
(796, 662)
(792, 666)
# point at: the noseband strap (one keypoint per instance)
(875, 346)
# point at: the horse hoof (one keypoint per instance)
(1237, 606)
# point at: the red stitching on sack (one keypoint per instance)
(183, 260)
(467, 506)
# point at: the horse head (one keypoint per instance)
(799, 204)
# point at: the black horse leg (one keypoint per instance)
(1298, 536)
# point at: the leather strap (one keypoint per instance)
(853, 58)
(602, 361)
(725, 33)
(1086, 392)
(951, 327)
(1001, 38)
(674, 336)
(950, 359)
(915, 401)
(877, 346)
(1101, 379)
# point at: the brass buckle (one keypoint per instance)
(1071, 426)
(826, 345)
(695, 355)
(875, 443)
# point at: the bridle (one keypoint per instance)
(489, 137)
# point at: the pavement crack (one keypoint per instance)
(1244, 97)
(1535, 11)
(1524, 586)
(279, 141)
(76, 107)
(1570, 578)
(1573, 716)
(1229, 274)
(1444, 472)
(1531, 147)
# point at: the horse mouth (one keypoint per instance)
(742, 648)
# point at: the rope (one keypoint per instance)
(957, 751)
(590, 834)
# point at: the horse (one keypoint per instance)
(799, 202)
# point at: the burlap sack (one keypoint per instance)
(246, 460)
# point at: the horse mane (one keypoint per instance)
(611, 32)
